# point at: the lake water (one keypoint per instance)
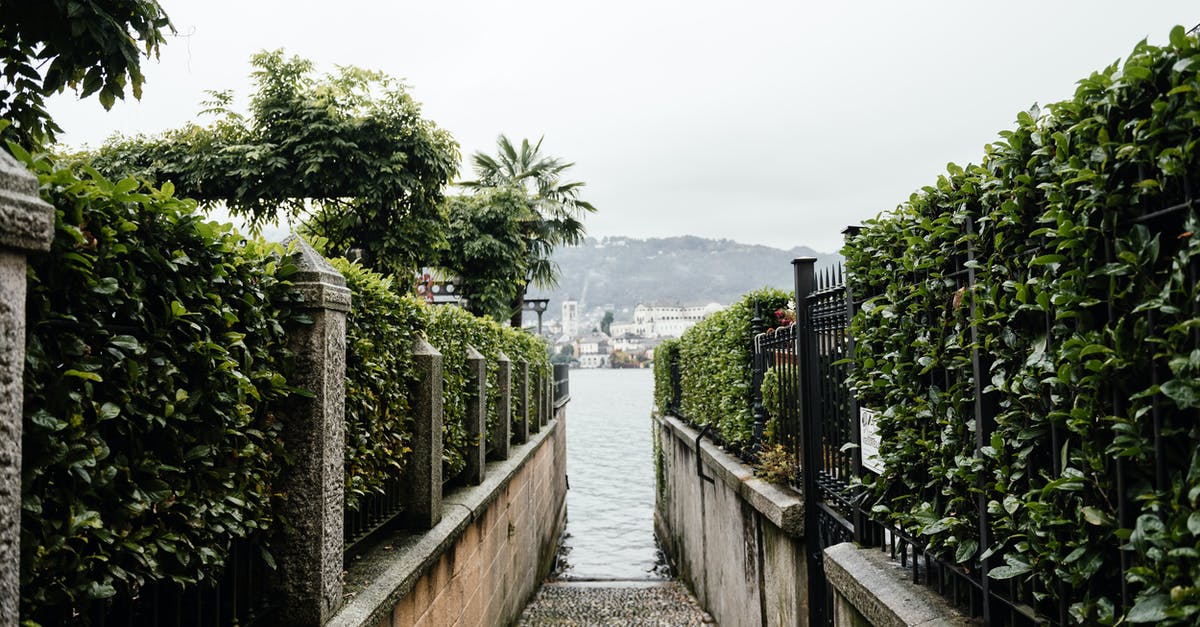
(610, 465)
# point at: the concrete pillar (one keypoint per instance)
(522, 434)
(423, 479)
(310, 556)
(500, 439)
(26, 225)
(476, 419)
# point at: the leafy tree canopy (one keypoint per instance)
(558, 210)
(555, 210)
(348, 153)
(91, 46)
(486, 233)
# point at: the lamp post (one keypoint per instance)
(537, 305)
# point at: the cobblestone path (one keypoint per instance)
(580, 603)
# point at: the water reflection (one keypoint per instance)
(610, 464)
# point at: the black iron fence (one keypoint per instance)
(562, 383)
(240, 596)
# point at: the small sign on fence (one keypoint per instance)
(869, 440)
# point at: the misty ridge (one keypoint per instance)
(623, 271)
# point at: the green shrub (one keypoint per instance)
(155, 359)
(380, 330)
(451, 330)
(1087, 313)
(665, 354)
(715, 358)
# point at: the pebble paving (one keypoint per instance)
(660, 603)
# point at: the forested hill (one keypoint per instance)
(623, 272)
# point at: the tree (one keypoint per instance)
(348, 153)
(557, 210)
(91, 46)
(486, 248)
(606, 323)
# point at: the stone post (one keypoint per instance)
(535, 399)
(522, 434)
(501, 435)
(310, 555)
(476, 419)
(26, 225)
(423, 479)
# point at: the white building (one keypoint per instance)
(593, 351)
(570, 318)
(664, 320)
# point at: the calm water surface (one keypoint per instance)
(610, 463)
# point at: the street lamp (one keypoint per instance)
(537, 305)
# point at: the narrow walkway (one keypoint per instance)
(643, 603)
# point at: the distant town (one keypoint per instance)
(595, 339)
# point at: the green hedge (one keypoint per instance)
(665, 354)
(154, 361)
(715, 364)
(1055, 207)
(380, 329)
(521, 346)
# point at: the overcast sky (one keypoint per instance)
(764, 122)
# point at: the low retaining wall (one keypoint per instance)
(486, 558)
(738, 542)
(734, 539)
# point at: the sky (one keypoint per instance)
(765, 122)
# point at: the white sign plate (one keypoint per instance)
(869, 440)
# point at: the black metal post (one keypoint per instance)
(808, 401)
(985, 423)
(757, 364)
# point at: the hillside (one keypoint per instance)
(622, 272)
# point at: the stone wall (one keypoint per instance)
(484, 560)
(734, 539)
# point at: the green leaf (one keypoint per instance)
(97, 590)
(79, 374)
(1149, 609)
(108, 411)
(1008, 572)
(1094, 516)
(966, 550)
(1185, 393)
(1193, 523)
(127, 342)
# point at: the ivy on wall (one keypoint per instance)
(1079, 229)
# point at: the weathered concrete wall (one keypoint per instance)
(733, 538)
(484, 560)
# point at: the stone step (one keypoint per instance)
(614, 602)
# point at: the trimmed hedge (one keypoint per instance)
(380, 329)
(1086, 304)
(665, 354)
(715, 364)
(155, 358)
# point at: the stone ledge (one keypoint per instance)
(882, 591)
(783, 506)
(395, 564)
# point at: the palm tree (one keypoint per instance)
(557, 216)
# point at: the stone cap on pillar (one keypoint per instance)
(319, 283)
(26, 221)
(473, 354)
(503, 357)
